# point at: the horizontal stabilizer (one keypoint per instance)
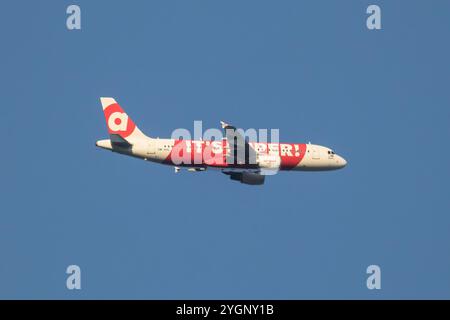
(117, 140)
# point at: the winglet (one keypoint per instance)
(224, 124)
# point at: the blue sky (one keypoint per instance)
(310, 68)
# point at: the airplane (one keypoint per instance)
(244, 161)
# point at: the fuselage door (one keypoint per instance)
(315, 153)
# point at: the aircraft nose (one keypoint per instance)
(342, 162)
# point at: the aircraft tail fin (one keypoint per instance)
(120, 126)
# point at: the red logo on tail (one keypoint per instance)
(118, 121)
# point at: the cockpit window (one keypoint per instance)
(331, 152)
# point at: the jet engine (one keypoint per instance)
(247, 178)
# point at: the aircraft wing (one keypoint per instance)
(240, 151)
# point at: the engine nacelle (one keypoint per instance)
(248, 178)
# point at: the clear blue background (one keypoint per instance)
(310, 68)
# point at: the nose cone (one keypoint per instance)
(342, 162)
